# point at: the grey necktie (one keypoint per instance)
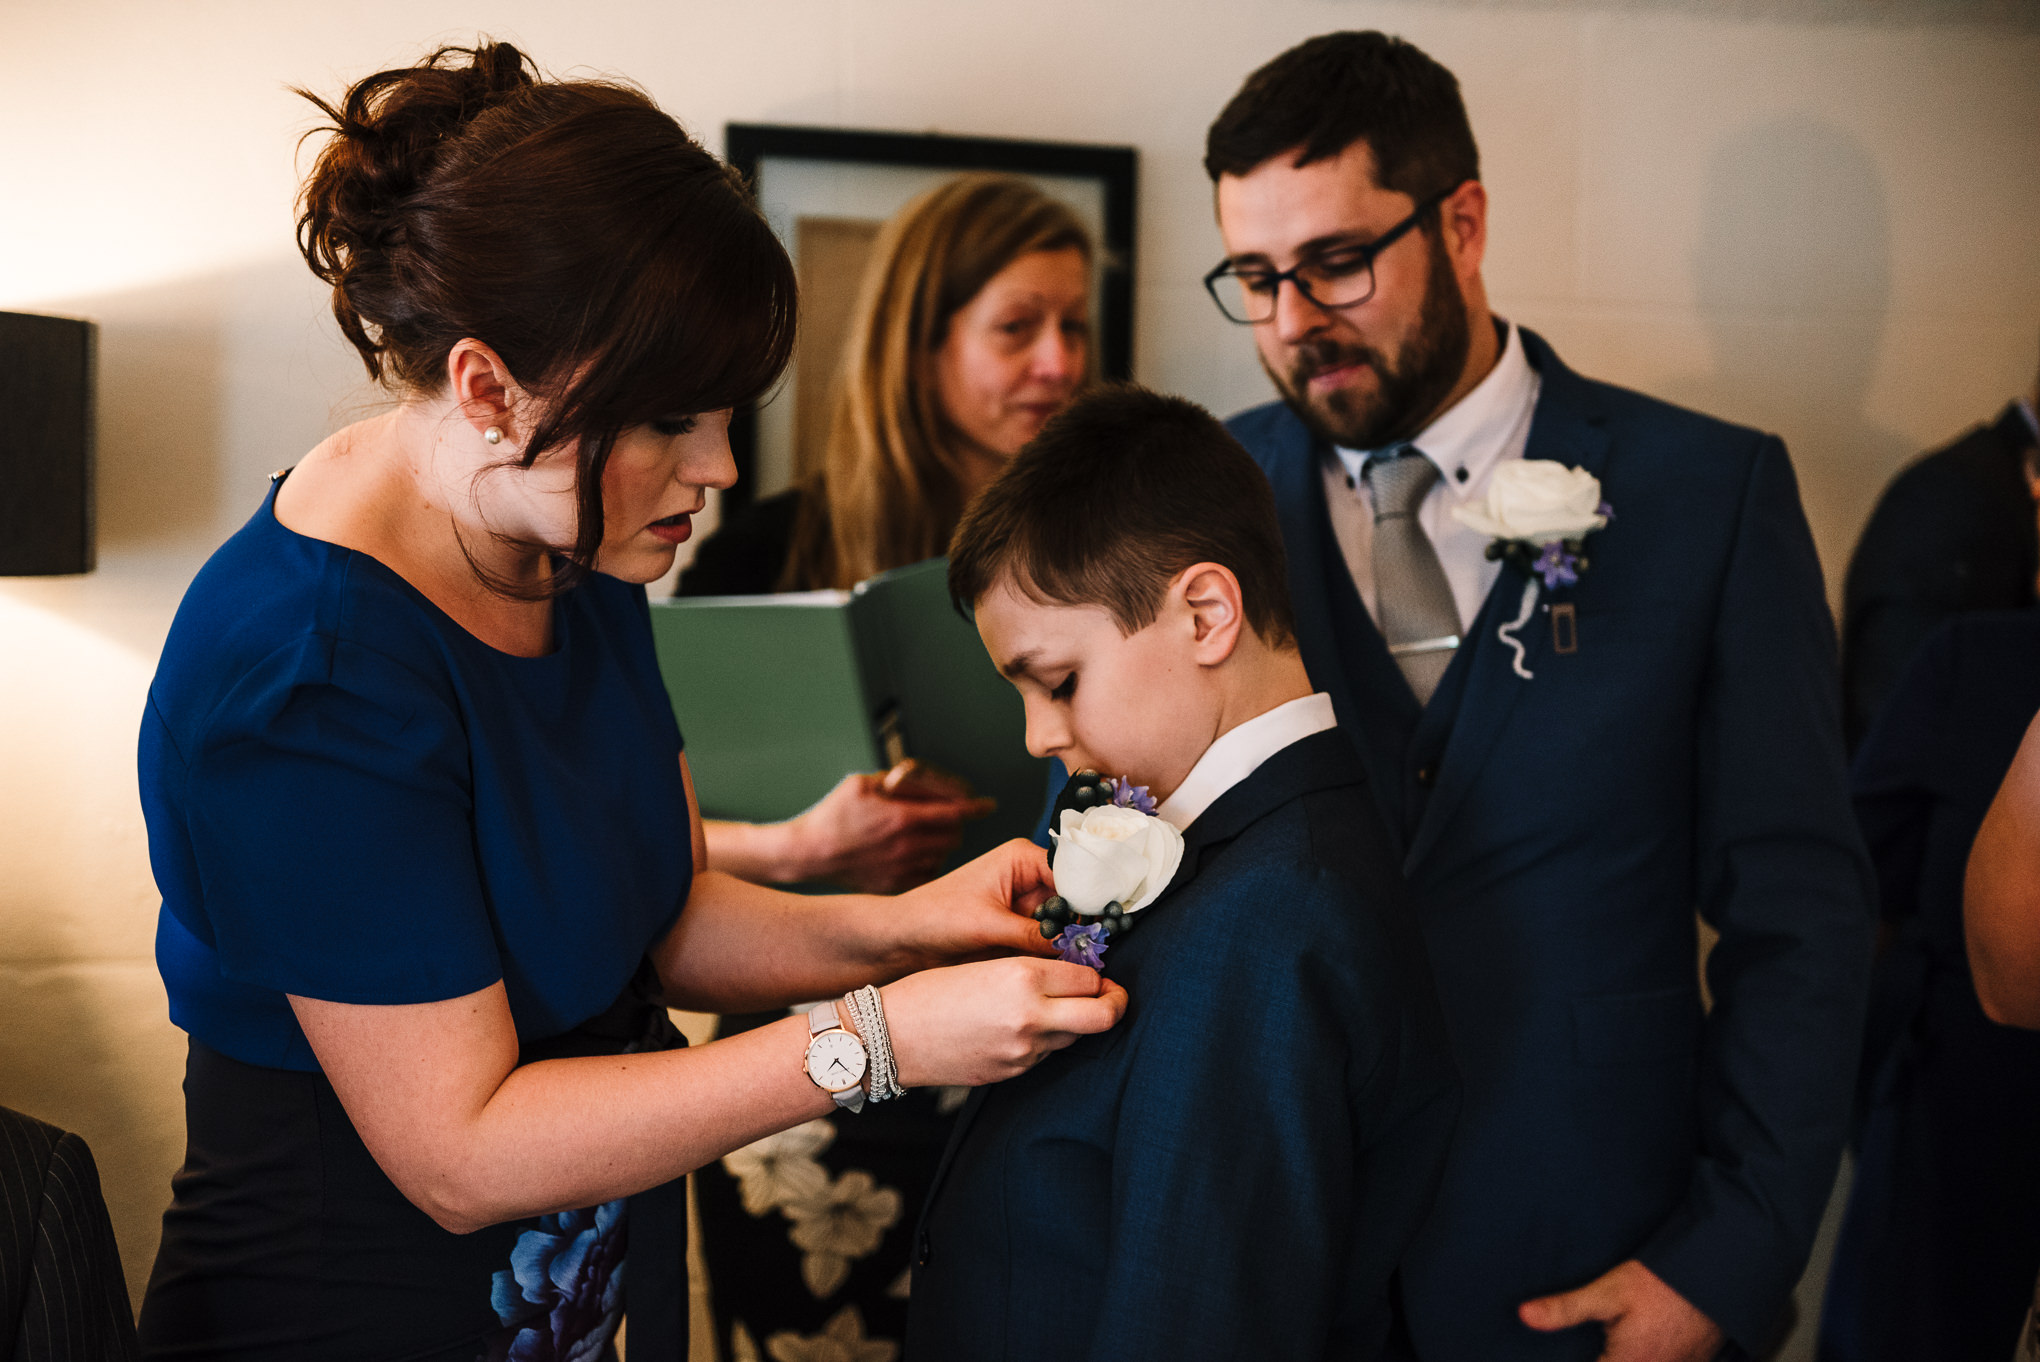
(1419, 618)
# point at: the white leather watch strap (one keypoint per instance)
(822, 1020)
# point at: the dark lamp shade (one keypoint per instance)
(46, 380)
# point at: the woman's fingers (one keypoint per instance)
(984, 1022)
(1022, 873)
(1065, 1019)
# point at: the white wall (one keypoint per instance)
(1816, 216)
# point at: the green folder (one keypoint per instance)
(781, 696)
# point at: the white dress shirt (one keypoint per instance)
(1467, 442)
(1239, 751)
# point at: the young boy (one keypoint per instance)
(1234, 1170)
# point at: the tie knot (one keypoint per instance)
(1399, 481)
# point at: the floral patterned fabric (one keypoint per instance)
(562, 1295)
(807, 1235)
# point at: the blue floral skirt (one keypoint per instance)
(285, 1240)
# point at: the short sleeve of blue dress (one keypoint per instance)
(351, 798)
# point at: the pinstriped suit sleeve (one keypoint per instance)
(60, 1275)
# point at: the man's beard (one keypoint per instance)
(1407, 392)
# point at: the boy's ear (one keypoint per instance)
(1211, 595)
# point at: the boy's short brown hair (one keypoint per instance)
(1119, 493)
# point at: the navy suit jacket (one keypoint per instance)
(1235, 1168)
(1559, 834)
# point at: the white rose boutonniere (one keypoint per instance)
(1539, 512)
(1113, 857)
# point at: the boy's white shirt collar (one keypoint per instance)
(1239, 751)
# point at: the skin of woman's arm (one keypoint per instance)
(473, 1139)
(856, 835)
(2001, 895)
(740, 947)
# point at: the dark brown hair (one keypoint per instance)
(622, 272)
(1120, 492)
(1322, 96)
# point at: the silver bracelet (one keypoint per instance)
(892, 1069)
(869, 1010)
(863, 1004)
(853, 1003)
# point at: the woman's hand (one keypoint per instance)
(866, 837)
(977, 911)
(982, 1022)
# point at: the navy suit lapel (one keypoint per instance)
(1567, 428)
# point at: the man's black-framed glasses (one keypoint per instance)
(1336, 277)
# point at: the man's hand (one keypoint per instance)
(1645, 1320)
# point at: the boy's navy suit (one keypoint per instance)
(1559, 834)
(1234, 1170)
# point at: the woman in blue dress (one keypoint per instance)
(430, 859)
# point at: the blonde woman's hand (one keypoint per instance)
(866, 837)
(980, 1023)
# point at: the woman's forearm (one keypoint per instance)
(536, 1146)
(763, 853)
(2001, 895)
(474, 1139)
(739, 947)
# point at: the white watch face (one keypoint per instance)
(836, 1061)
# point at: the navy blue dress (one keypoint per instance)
(349, 797)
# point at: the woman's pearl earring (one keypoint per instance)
(493, 435)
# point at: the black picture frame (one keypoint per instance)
(1115, 168)
(48, 380)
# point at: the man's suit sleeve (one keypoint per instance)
(1782, 877)
(1243, 1225)
(62, 1295)
(1939, 543)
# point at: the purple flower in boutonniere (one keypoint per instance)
(1127, 795)
(1083, 945)
(1540, 513)
(1559, 565)
(1113, 857)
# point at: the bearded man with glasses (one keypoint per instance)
(1607, 704)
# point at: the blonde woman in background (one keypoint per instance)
(971, 329)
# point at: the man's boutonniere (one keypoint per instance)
(1540, 513)
(1113, 857)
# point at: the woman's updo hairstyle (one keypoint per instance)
(622, 272)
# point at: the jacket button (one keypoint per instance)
(1426, 774)
(921, 1251)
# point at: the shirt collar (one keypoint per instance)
(1472, 433)
(1239, 751)
(2032, 420)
